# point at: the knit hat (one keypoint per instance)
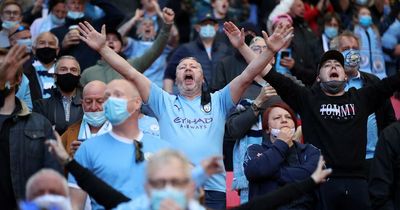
(282, 8)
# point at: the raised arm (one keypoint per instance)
(281, 36)
(97, 41)
(236, 37)
(126, 27)
(144, 61)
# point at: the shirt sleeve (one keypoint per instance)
(225, 100)
(157, 99)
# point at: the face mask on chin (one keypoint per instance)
(95, 119)
(333, 87)
(55, 20)
(75, 15)
(9, 24)
(168, 192)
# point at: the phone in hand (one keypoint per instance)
(285, 53)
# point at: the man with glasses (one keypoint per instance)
(168, 186)
(63, 108)
(116, 157)
(10, 15)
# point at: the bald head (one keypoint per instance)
(123, 86)
(93, 96)
(46, 181)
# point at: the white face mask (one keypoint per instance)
(50, 201)
(275, 132)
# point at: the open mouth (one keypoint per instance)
(334, 75)
(188, 79)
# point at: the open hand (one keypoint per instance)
(91, 37)
(320, 174)
(168, 15)
(236, 36)
(282, 35)
(57, 149)
(12, 62)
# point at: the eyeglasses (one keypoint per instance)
(161, 183)
(139, 156)
(258, 48)
(9, 13)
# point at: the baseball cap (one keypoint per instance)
(331, 55)
(206, 16)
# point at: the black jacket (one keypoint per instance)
(52, 108)
(26, 133)
(384, 183)
(306, 51)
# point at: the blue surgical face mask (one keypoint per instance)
(75, 15)
(365, 20)
(57, 21)
(116, 110)
(352, 58)
(95, 119)
(9, 24)
(331, 32)
(158, 195)
(207, 31)
(27, 43)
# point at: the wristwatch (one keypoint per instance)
(255, 107)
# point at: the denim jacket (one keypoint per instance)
(28, 153)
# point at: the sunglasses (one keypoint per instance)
(139, 156)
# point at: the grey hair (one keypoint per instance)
(66, 57)
(256, 38)
(163, 158)
(42, 172)
(34, 43)
(335, 42)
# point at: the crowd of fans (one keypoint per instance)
(300, 99)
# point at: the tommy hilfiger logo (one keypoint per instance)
(337, 111)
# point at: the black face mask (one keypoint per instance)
(333, 87)
(67, 82)
(46, 55)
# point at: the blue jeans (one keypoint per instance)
(215, 200)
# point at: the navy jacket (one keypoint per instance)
(266, 166)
